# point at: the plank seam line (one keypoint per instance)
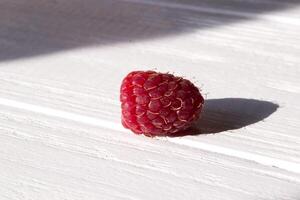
(204, 9)
(264, 160)
(211, 10)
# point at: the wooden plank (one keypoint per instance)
(47, 156)
(61, 64)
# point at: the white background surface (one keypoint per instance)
(61, 65)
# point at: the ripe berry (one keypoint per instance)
(158, 104)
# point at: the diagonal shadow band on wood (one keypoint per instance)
(35, 27)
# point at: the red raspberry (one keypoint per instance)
(158, 104)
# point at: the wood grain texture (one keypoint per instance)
(61, 64)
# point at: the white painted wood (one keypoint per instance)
(61, 64)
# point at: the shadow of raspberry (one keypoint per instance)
(228, 114)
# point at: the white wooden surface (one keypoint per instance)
(61, 64)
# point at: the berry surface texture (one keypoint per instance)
(159, 104)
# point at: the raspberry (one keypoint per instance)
(158, 104)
